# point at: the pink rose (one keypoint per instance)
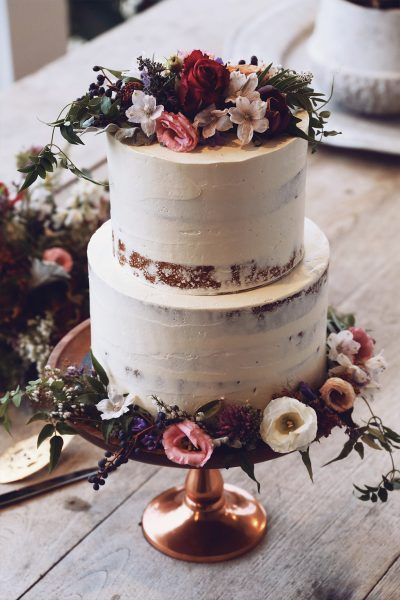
(366, 342)
(59, 256)
(176, 132)
(172, 440)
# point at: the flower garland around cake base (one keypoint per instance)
(291, 421)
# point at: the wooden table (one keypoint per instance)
(321, 543)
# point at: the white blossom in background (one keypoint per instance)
(250, 118)
(241, 85)
(144, 111)
(212, 120)
(288, 425)
(82, 206)
(115, 405)
(33, 346)
(374, 367)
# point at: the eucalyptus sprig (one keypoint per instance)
(300, 94)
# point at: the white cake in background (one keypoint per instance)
(190, 349)
(211, 221)
(358, 48)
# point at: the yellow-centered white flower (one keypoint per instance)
(242, 85)
(211, 120)
(249, 117)
(288, 425)
(144, 111)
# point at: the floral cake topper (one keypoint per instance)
(190, 99)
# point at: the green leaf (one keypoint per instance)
(263, 73)
(367, 439)
(107, 427)
(105, 105)
(248, 468)
(347, 448)
(382, 494)
(305, 457)
(99, 370)
(364, 497)
(65, 429)
(56, 445)
(97, 385)
(29, 179)
(45, 433)
(88, 398)
(16, 397)
(359, 448)
(39, 416)
(396, 483)
(117, 74)
(211, 409)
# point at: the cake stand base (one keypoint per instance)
(204, 521)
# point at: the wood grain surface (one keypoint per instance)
(321, 543)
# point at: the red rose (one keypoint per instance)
(277, 113)
(203, 82)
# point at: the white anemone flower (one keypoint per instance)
(288, 425)
(115, 405)
(250, 117)
(144, 110)
(342, 347)
(242, 85)
(211, 120)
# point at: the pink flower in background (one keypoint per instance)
(366, 349)
(176, 132)
(172, 440)
(60, 257)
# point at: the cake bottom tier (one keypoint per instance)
(189, 350)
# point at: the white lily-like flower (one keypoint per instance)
(144, 110)
(242, 85)
(342, 347)
(115, 405)
(288, 425)
(250, 117)
(211, 120)
(374, 367)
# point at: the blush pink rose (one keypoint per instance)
(366, 342)
(176, 132)
(59, 256)
(172, 440)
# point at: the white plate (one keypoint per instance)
(280, 35)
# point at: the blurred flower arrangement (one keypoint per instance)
(292, 420)
(190, 99)
(43, 268)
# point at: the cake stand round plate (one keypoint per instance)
(201, 521)
(280, 34)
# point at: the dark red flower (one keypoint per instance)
(203, 81)
(277, 112)
(239, 423)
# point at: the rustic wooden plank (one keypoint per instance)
(388, 586)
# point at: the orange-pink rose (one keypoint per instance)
(366, 342)
(59, 256)
(176, 132)
(175, 441)
(338, 394)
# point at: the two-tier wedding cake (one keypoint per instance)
(208, 282)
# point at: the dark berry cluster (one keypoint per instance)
(253, 61)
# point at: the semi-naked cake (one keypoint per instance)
(207, 282)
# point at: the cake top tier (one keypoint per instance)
(190, 100)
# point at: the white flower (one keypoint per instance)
(115, 405)
(288, 425)
(212, 120)
(342, 347)
(144, 110)
(374, 367)
(242, 85)
(250, 117)
(347, 370)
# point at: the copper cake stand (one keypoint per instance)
(204, 520)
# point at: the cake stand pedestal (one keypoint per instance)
(203, 521)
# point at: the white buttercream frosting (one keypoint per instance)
(190, 349)
(233, 213)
